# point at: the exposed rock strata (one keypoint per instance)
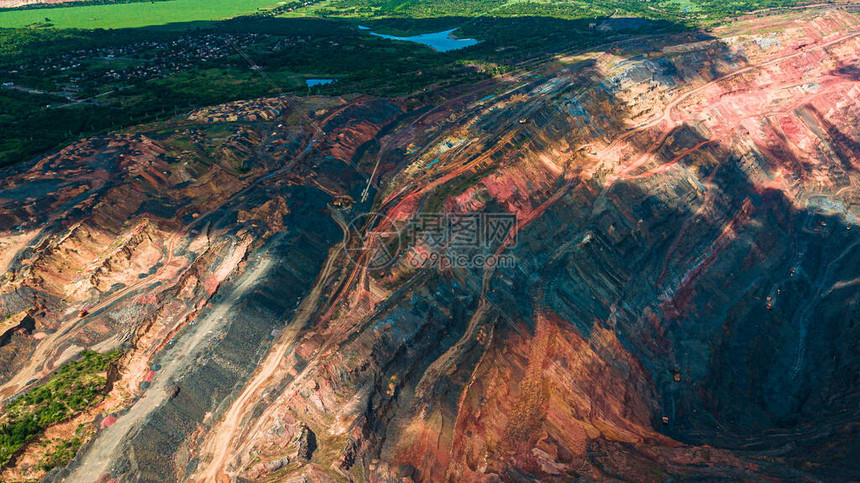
(684, 305)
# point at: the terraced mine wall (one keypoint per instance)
(684, 304)
(162, 445)
(677, 266)
(733, 320)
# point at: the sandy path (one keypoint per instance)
(11, 245)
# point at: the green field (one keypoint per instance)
(144, 14)
(130, 15)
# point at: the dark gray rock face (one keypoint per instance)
(306, 444)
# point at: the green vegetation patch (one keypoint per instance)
(696, 11)
(79, 3)
(566, 9)
(75, 387)
(63, 450)
(726, 9)
(139, 14)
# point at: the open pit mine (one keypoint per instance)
(684, 302)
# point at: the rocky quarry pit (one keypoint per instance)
(684, 302)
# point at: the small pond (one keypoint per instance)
(318, 82)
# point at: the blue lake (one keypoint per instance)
(318, 82)
(440, 41)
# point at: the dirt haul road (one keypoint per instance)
(221, 437)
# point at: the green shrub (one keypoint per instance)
(75, 387)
